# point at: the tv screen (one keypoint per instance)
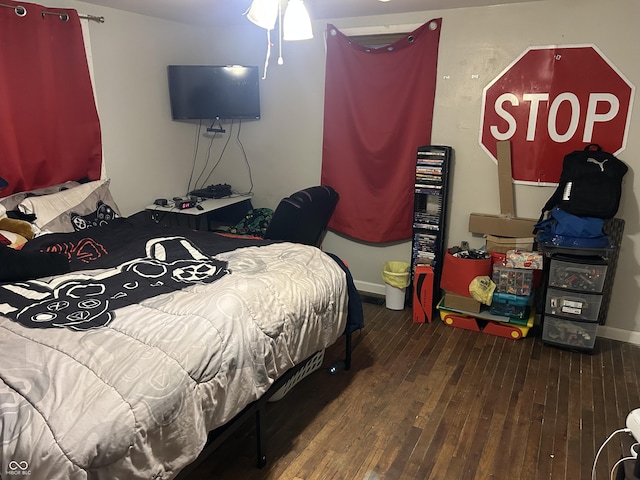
(214, 92)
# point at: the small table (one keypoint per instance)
(222, 209)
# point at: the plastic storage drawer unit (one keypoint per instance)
(588, 276)
(573, 305)
(568, 333)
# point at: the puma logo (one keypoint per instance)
(600, 164)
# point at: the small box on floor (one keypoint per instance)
(454, 301)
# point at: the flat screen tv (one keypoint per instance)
(210, 92)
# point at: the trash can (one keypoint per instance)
(396, 278)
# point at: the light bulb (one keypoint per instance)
(297, 24)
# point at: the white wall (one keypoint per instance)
(149, 156)
(476, 45)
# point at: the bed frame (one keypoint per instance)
(257, 409)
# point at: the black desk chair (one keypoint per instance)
(303, 216)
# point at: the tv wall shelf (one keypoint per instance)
(433, 163)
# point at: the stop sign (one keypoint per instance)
(551, 101)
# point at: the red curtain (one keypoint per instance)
(50, 129)
(378, 109)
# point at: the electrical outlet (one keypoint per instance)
(633, 423)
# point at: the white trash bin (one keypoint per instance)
(394, 297)
(396, 278)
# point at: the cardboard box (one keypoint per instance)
(505, 179)
(504, 244)
(458, 302)
(501, 226)
(507, 224)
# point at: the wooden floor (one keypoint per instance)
(429, 401)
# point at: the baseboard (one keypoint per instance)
(603, 331)
(369, 287)
(619, 334)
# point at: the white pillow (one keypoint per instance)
(11, 202)
(53, 211)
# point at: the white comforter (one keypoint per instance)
(135, 399)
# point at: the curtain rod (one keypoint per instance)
(99, 19)
(21, 12)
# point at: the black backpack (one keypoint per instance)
(590, 184)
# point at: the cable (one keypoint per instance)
(595, 460)
(195, 154)
(246, 160)
(206, 164)
(615, 465)
(266, 60)
(634, 453)
(224, 148)
(280, 60)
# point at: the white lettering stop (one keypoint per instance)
(533, 100)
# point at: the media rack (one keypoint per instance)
(430, 211)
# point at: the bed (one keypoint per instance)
(120, 367)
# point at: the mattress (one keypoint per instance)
(133, 391)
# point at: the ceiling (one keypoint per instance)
(229, 12)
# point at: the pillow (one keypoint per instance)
(11, 202)
(53, 212)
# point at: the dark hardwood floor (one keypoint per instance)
(429, 401)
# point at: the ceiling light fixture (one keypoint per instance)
(264, 13)
(295, 26)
